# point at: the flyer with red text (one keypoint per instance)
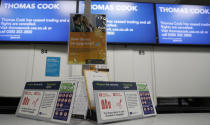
(116, 101)
(48, 101)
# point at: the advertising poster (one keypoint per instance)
(87, 39)
(31, 102)
(146, 100)
(116, 101)
(183, 24)
(35, 20)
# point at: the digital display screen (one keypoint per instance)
(183, 24)
(127, 22)
(35, 20)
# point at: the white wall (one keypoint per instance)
(182, 71)
(15, 68)
(38, 73)
(170, 71)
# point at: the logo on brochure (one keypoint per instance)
(119, 104)
(105, 104)
(25, 101)
(35, 102)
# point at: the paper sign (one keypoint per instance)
(116, 101)
(53, 66)
(146, 100)
(113, 105)
(64, 102)
(81, 100)
(48, 103)
(133, 107)
(87, 39)
(31, 102)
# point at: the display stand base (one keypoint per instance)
(91, 115)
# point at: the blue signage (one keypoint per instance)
(33, 20)
(127, 22)
(183, 24)
(53, 66)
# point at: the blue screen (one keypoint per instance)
(183, 24)
(33, 20)
(127, 22)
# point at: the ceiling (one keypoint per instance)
(199, 2)
(195, 2)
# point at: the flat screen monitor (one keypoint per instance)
(35, 20)
(127, 22)
(183, 24)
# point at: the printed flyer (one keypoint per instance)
(53, 66)
(31, 102)
(87, 39)
(116, 101)
(132, 103)
(146, 100)
(113, 105)
(48, 101)
(47, 104)
(64, 102)
(81, 100)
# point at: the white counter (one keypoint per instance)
(160, 119)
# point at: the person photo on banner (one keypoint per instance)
(81, 24)
(76, 25)
(87, 25)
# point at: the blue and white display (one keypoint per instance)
(127, 22)
(35, 20)
(183, 24)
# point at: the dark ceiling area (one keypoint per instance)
(197, 2)
(193, 2)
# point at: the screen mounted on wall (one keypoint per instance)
(183, 24)
(35, 20)
(127, 22)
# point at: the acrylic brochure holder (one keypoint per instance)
(116, 101)
(51, 101)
